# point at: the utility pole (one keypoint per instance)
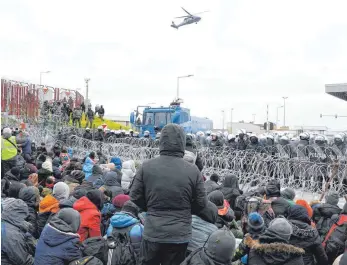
(231, 120)
(284, 111)
(277, 123)
(87, 90)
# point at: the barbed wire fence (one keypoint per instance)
(302, 171)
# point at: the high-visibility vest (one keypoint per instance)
(8, 150)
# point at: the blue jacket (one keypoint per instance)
(122, 220)
(88, 168)
(56, 247)
(26, 147)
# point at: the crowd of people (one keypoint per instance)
(58, 209)
(64, 112)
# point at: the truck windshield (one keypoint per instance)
(160, 119)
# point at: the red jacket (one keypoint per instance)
(90, 218)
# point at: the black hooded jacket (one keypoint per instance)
(231, 189)
(16, 244)
(210, 186)
(322, 217)
(111, 184)
(29, 196)
(96, 173)
(170, 189)
(306, 237)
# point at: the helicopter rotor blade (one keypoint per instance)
(183, 17)
(200, 13)
(186, 11)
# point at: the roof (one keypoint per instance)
(337, 90)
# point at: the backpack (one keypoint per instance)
(89, 260)
(121, 251)
(334, 242)
(97, 247)
(189, 157)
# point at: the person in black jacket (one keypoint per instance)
(306, 237)
(279, 205)
(212, 184)
(111, 184)
(231, 189)
(322, 214)
(219, 249)
(87, 134)
(273, 246)
(17, 246)
(30, 196)
(190, 146)
(169, 189)
(225, 213)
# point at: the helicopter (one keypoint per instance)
(187, 19)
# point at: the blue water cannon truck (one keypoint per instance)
(153, 119)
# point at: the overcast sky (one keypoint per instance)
(243, 54)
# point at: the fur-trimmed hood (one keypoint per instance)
(274, 253)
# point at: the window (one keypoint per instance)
(160, 119)
(148, 118)
(184, 117)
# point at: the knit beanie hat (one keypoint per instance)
(288, 193)
(96, 197)
(120, 199)
(131, 208)
(332, 198)
(61, 191)
(220, 246)
(217, 198)
(47, 165)
(255, 221)
(66, 220)
(50, 181)
(281, 228)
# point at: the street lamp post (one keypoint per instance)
(284, 111)
(44, 72)
(87, 90)
(231, 120)
(277, 125)
(178, 83)
(223, 116)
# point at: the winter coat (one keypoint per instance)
(201, 230)
(29, 196)
(225, 217)
(123, 220)
(90, 114)
(43, 175)
(88, 136)
(67, 203)
(210, 186)
(280, 206)
(322, 217)
(96, 174)
(190, 147)
(88, 167)
(129, 172)
(99, 136)
(275, 254)
(10, 177)
(335, 239)
(90, 218)
(56, 168)
(231, 190)
(26, 147)
(47, 208)
(57, 245)
(169, 189)
(77, 114)
(72, 183)
(16, 244)
(306, 237)
(111, 184)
